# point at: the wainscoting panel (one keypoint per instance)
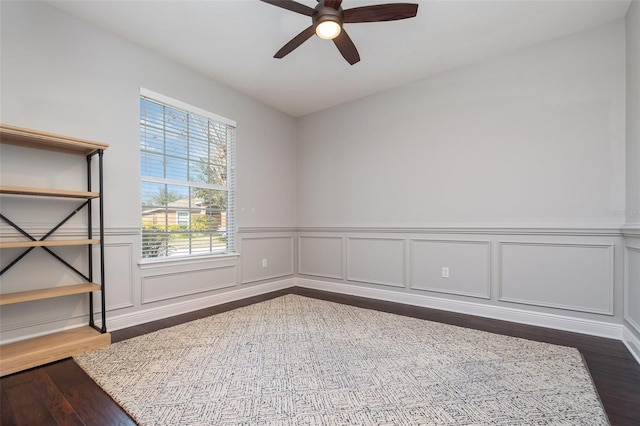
(42, 315)
(276, 251)
(577, 277)
(376, 260)
(632, 286)
(469, 264)
(175, 284)
(320, 256)
(118, 259)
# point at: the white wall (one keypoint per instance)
(62, 75)
(509, 172)
(633, 113)
(632, 229)
(534, 137)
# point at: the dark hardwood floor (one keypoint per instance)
(62, 394)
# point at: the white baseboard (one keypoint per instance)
(156, 313)
(632, 342)
(558, 322)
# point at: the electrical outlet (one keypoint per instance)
(445, 272)
(264, 263)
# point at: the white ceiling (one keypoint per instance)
(233, 41)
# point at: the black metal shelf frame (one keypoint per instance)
(88, 204)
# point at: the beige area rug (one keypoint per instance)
(301, 361)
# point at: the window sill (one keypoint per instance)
(190, 260)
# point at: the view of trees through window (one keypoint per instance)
(185, 167)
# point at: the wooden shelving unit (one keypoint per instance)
(30, 353)
(12, 135)
(47, 293)
(52, 347)
(40, 192)
(48, 243)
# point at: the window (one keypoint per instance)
(187, 168)
(182, 218)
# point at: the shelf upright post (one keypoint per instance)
(90, 235)
(100, 198)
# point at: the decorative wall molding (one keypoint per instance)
(627, 262)
(181, 291)
(120, 231)
(117, 322)
(611, 270)
(265, 229)
(486, 294)
(480, 229)
(266, 278)
(352, 276)
(171, 262)
(129, 284)
(145, 313)
(28, 331)
(52, 319)
(340, 266)
(267, 237)
(267, 275)
(631, 231)
(558, 322)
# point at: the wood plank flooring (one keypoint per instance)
(62, 394)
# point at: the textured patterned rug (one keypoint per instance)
(301, 361)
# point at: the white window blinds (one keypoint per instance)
(187, 167)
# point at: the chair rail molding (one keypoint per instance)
(482, 229)
(631, 231)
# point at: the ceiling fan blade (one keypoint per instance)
(292, 6)
(380, 12)
(346, 47)
(295, 42)
(333, 3)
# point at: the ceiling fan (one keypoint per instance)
(328, 17)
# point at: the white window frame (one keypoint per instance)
(230, 187)
(180, 219)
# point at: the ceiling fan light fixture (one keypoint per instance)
(328, 29)
(327, 19)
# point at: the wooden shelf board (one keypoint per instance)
(30, 353)
(42, 140)
(46, 243)
(47, 293)
(46, 192)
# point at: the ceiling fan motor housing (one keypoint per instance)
(324, 13)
